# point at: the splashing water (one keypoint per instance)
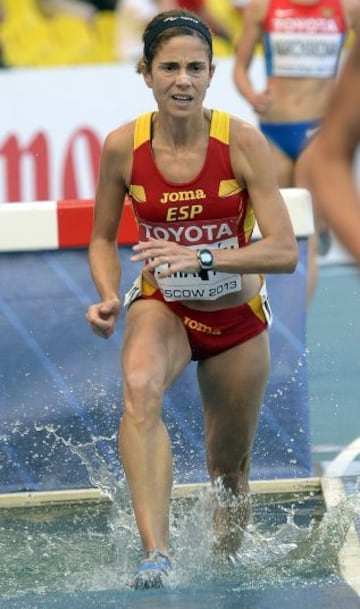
(272, 552)
(96, 546)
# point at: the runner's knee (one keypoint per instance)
(143, 394)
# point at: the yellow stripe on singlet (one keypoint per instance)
(219, 129)
(142, 133)
(255, 304)
(142, 129)
(220, 126)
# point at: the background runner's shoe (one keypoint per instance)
(152, 572)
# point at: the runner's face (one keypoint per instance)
(180, 75)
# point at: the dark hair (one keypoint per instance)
(172, 23)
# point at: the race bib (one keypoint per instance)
(210, 234)
(305, 56)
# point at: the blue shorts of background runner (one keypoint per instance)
(291, 138)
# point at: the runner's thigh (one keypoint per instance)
(155, 340)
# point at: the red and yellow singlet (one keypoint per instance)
(211, 211)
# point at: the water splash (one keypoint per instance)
(94, 547)
(271, 552)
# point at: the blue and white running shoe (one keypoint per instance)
(152, 572)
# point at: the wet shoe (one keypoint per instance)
(152, 572)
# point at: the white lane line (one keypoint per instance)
(342, 461)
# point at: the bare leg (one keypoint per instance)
(232, 387)
(155, 352)
(294, 175)
(312, 269)
(145, 451)
(302, 181)
(284, 167)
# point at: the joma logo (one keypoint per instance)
(182, 195)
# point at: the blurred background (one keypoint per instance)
(42, 33)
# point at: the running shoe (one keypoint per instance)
(152, 571)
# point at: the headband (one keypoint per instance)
(179, 21)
